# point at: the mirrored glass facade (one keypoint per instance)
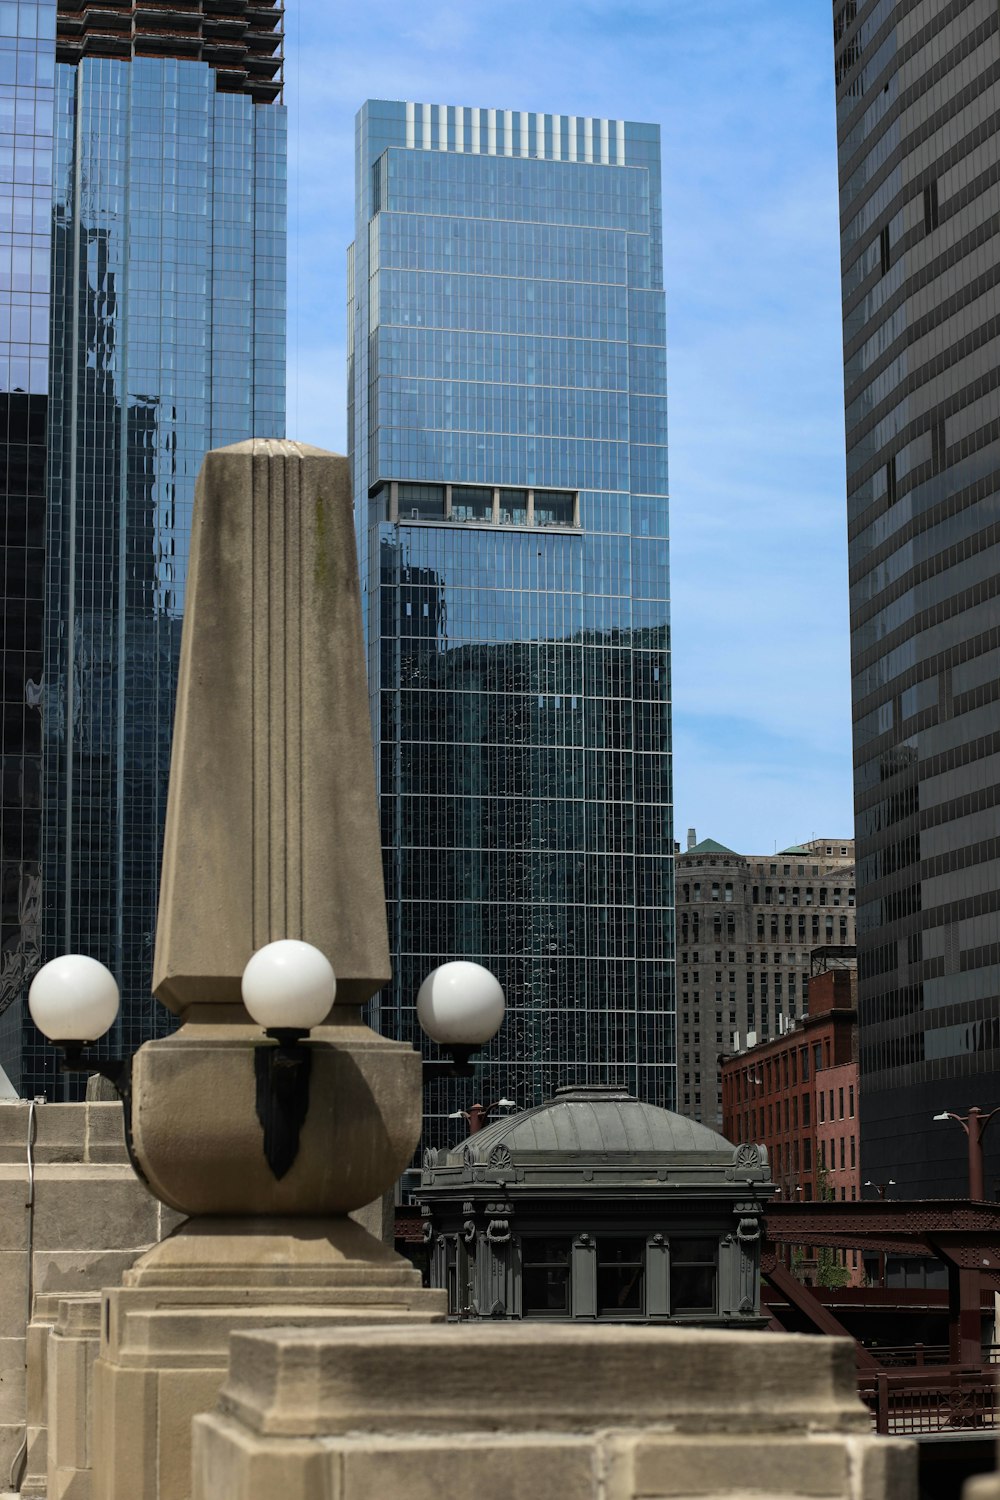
(920, 208)
(27, 78)
(508, 437)
(167, 226)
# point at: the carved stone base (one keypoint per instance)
(165, 1337)
(529, 1411)
(198, 1141)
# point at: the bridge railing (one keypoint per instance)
(931, 1399)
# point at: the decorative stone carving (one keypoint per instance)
(748, 1231)
(500, 1159)
(469, 1157)
(498, 1231)
(430, 1158)
(469, 1231)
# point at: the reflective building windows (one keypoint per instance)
(27, 70)
(507, 422)
(918, 135)
(164, 236)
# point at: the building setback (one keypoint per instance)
(798, 1093)
(746, 926)
(508, 438)
(152, 235)
(918, 124)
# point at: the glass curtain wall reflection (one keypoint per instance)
(508, 438)
(920, 207)
(167, 215)
(27, 74)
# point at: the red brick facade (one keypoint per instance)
(798, 1094)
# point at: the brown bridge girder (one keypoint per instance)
(801, 1296)
(965, 1236)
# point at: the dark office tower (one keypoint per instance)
(507, 430)
(918, 133)
(165, 241)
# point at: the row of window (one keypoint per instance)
(547, 1271)
(724, 892)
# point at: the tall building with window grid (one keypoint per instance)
(507, 397)
(142, 288)
(919, 131)
(749, 930)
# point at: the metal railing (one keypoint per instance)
(935, 1399)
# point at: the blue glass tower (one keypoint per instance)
(166, 227)
(507, 391)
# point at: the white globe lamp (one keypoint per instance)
(73, 999)
(460, 1005)
(289, 986)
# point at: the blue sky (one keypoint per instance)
(744, 97)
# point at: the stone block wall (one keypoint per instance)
(528, 1412)
(73, 1218)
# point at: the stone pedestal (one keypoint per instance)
(529, 1411)
(35, 1483)
(73, 1346)
(73, 1217)
(165, 1341)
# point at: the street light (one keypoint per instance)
(478, 1114)
(288, 987)
(974, 1124)
(880, 1187)
(460, 1005)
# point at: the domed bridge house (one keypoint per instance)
(593, 1206)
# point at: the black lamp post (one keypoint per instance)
(974, 1124)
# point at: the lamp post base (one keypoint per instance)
(166, 1330)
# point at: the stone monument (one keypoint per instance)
(271, 833)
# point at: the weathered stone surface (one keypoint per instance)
(532, 1376)
(73, 1346)
(525, 1411)
(365, 1101)
(168, 1329)
(68, 1272)
(89, 1218)
(272, 827)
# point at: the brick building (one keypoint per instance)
(746, 925)
(798, 1094)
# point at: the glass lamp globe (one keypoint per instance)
(460, 1004)
(289, 985)
(73, 999)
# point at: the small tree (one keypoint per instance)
(829, 1271)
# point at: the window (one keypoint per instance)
(822, 1111)
(545, 1277)
(468, 503)
(693, 1275)
(621, 1265)
(930, 212)
(421, 502)
(850, 1099)
(513, 508)
(553, 507)
(806, 1110)
(840, 1116)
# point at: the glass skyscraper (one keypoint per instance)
(507, 396)
(919, 132)
(157, 332)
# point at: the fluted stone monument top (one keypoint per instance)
(272, 823)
